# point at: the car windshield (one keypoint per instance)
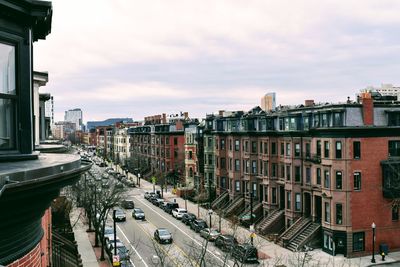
(138, 210)
(119, 212)
(163, 232)
(214, 232)
(202, 223)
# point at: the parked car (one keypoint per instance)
(187, 218)
(210, 234)
(164, 206)
(162, 235)
(198, 225)
(147, 195)
(245, 219)
(170, 206)
(226, 242)
(127, 204)
(119, 185)
(158, 202)
(138, 214)
(120, 215)
(108, 232)
(245, 253)
(122, 251)
(178, 213)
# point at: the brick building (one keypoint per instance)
(318, 173)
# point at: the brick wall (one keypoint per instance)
(41, 254)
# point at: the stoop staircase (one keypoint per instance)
(270, 221)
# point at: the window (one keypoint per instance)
(326, 149)
(356, 149)
(297, 202)
(318, 170)
(266, 168)
(237, 165)
(230, 164)
(237, 145)
(190, 154)
(209, 141)
(282, 171)
(273, 192)
(190, 172)
(339, 180)
(273, 148)
(223, 163)
(261, 147)
(246, 146)
(327, 179)
(254, 167)
(393, 119)
(358, 241)
(266, 193)
(327, 212)
(395, 213)
(288, 172)
(8, 97)
(319, 148)
(175, 141)
(297, 150)
(288, 199)
(282, 149)
(265, 148)
(357, 181)
(339, 213)
(297, 174)
(253, 147)
(247, 166)
(230, 144)
(274, 169)
(338, 151)
(337, 119)
(210, 159)
(308, 175)
(237, 186)
(260, 169)
(288, 149)
(222, 141)
(394, 148)
(308, 150)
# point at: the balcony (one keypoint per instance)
(391, 178)
(313, 158)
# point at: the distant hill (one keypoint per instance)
(93, 124)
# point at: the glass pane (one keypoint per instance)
(6, 124)
(7, 69)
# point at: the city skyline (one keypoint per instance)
(135, 59)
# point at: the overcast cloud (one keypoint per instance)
(131, 58)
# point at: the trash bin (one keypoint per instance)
(383, 248)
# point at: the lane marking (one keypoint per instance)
(194, 240)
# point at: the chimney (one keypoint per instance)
(164, 118)
(368, 109)
(309, 103)
(186, 115)
(221, 112)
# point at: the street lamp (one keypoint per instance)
(115, 238)
(210, 212)
(138, 179)
(373, 225)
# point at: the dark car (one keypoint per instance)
(245, 220)
(226, 242)
(170, 206)
(162, 235)
(198, 225)
(127, 204)
(147, 195)
(120, 216)
(187, 218)
(123, 253)
(245, 253)
(138, 214)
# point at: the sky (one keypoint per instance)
(136, 58)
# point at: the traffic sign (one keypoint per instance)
(116, 260)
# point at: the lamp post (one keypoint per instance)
(210, 212)
(115, 237)
(139, 179)
(251, 215)
(373, 225)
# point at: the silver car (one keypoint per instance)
(210, 234)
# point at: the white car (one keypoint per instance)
(178, 213)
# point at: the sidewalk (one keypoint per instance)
(269, 252)
(85, 241)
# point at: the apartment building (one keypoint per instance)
(318, 173)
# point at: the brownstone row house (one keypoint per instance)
(319, 173)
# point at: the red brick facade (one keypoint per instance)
(41, 254)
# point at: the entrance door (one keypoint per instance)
(261, 194)
(318, 209)
(307, 205)
(281, 198)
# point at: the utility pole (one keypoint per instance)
(251, 215)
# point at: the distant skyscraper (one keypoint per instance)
(268, 102)
(49, 110)
(74, 116)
